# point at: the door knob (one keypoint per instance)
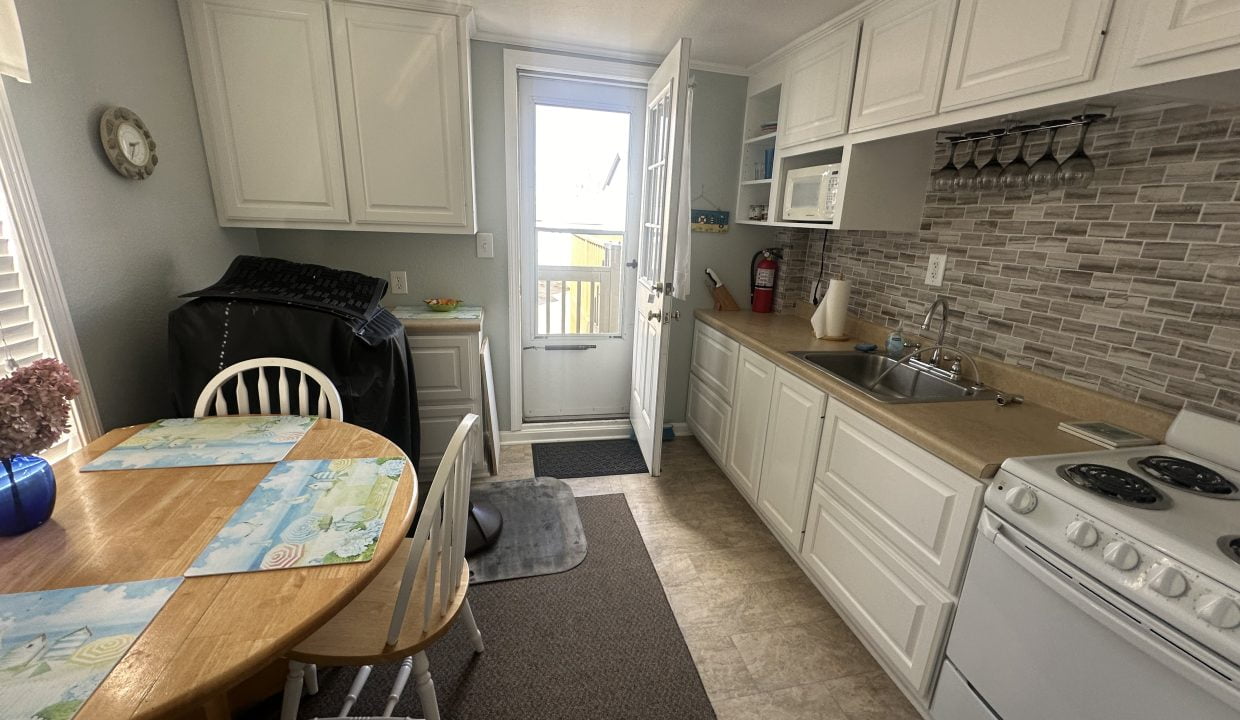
(653, 315)
(631, 264)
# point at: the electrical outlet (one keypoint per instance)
(934, 270)
(400, 283)
(486, 245)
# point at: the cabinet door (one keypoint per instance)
(817, 86)
(707, 415)
(445, 367)
(404, 115)
(901, 613)
(920, 505)
(751, 405)
(900, 64)
(714, 359)
(262, 76)
(1001, 48)
(792, 435)
(1177, 29)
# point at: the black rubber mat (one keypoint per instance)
(542, 531)
(590, 458)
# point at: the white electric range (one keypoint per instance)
(1105, 584)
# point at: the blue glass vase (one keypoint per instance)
(27, 493)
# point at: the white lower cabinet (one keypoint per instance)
(751, 405)
(792, 432)
(901, 613)
(707, 415)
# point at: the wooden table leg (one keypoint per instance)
(216, 708)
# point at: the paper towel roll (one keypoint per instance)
(819, 320)
(836, 303)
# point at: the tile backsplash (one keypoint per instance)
(1130, 286)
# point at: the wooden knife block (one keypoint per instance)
(724, 299)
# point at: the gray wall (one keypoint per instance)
(124, 248)
(448, 264)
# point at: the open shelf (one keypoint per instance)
(765, 181)
(769, 137)
(783, 224)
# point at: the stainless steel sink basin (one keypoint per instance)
(904, 384)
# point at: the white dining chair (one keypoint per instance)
(430, 571)
(215, 397)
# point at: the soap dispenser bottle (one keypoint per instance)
(895, 343)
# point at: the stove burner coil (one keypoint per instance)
(1114, 484)
(1186, 475)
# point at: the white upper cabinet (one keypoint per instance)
(1002, 48)
(262, 72)
(817, 87)
(404, 116)
(332, 114)
(900, 64)
(1172, 30)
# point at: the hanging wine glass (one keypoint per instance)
(966, 175)
(941, 180)
(1044, 174)
(1016, 174)
(988, 176)
(1078, 169)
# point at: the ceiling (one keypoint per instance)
(727, 34)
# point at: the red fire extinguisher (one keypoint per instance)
(762, 279)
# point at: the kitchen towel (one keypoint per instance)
(684, 233)
(837, 307)
(819, 320)
(12, 47)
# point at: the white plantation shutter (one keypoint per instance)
(24, 336)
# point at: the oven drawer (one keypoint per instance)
(901, 613)
(920, 505)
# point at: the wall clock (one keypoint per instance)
(127, 143)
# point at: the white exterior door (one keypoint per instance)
(661, 215)
(404, 116)
(792, 435)
(580, 155)
(817, 87)
(900, 64)
(1002, 49)
(262, 71)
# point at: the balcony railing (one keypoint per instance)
(576, 300)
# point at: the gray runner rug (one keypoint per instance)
(542, 531)
(597, 643)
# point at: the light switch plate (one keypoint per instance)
(399, 283)
(486, 245)
(934, 270)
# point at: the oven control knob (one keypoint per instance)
(1082, 534)
(1121, 555)
(1021, 499)
(1166, 580)
(1219, 611)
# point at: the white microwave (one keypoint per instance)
(810, 193)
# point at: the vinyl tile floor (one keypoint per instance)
(766, 643)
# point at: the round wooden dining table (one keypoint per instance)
(215, 631)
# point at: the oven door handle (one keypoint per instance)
(1162, 642)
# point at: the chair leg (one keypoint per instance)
(312, 679)
(425, 686)
(359, 682)
(398, 686)
(467, 614)
(292, 690)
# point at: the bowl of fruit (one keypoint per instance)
(442, 304)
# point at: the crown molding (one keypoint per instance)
(598, 53)
(781, 54)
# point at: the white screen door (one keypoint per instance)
(661, 214)
(580, 163)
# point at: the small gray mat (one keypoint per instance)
(542, 531)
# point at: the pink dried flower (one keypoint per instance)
(34, 407)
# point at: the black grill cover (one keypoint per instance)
(366, 356)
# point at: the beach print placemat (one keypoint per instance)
(191, 442)
(304, 513)
(57, 646)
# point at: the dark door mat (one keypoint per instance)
(599, 642)
(590, 458)
(542, 531)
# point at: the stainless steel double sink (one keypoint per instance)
(903, 384)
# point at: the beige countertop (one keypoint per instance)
(421, 320)
(972, 436)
